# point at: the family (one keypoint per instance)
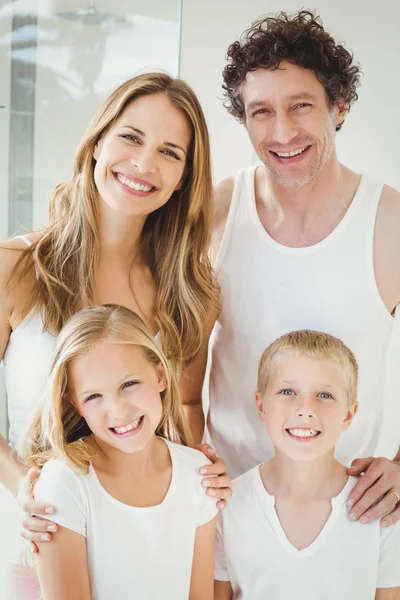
(286, 277)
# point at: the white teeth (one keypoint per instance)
(129, 427)
(293, 153)
(303, 433)
(134, 186)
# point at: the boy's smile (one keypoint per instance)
(305, 407)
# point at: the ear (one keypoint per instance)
(351, 413)
(97, 149)
(260, 406)
(161, 377)
(340, 112)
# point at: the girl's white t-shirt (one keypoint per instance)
(347, 561)
(133, 552)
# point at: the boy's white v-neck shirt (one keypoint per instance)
(133, 552)
(347, 561)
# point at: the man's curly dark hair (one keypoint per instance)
(300, 40)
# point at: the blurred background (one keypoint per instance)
(59, 59)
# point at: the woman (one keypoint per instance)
(131, 227)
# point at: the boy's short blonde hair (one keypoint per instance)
(314, 344)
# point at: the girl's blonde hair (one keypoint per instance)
(174, 243)
(313, 344)
(57, 427)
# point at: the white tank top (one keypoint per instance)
(268, 289)
(27, 362)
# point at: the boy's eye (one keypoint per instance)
(325, 395)
(286, 392)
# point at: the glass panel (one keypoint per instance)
(59, 59)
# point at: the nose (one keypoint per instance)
(118, 409)
(285, 128)
(144, 160)
(305, 407)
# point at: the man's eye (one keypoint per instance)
(302, 105)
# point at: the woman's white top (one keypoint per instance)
(27, 362)
(143, 553)
(267, 290)
(347, 561)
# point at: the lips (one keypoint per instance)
(303, 433)
(129, 428)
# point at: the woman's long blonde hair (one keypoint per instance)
(57, 427)
(175, 238)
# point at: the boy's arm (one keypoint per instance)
(223, 590)
(62, 567)
(202, 580)
(385, 594)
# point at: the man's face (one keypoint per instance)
(290, 123)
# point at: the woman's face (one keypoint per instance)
(140, 161)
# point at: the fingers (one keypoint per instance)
(360, 465)
(392, 518)
(218, 467)
(31, 506)
(35, 533)
(373, 473)
(386, 505)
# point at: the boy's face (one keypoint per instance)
(305, 406)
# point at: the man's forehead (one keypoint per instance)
(289, 81)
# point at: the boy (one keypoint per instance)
(286, 531)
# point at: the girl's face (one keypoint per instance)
(117, 391)
(140, 161)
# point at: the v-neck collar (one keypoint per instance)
(269, 504)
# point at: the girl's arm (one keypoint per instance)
(62, 567)
(388, 594)
(222, 590)
(202, 580)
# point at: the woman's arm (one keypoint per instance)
(191, 384)
(388, 594)
(202, 580)
(62, 567)
(222, 590)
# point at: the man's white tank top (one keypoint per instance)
(268, 289)
(27, 362)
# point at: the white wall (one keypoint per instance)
(370, 138)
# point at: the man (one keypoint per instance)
(304, 242)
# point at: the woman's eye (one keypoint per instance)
(130, 137)
(171, 154)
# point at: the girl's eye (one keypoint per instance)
(128, 384)
(171, 154)
(287, 392)
(92, 397)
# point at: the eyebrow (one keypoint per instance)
(120, 382)
(169, 144)
(292, 98)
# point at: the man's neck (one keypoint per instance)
(303, 481)
(304, 215)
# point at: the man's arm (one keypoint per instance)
(223, 590)
(388, 594)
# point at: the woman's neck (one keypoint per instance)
(119, 235)
(303, 481)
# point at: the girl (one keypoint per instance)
(131, 227)
(134, 520)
